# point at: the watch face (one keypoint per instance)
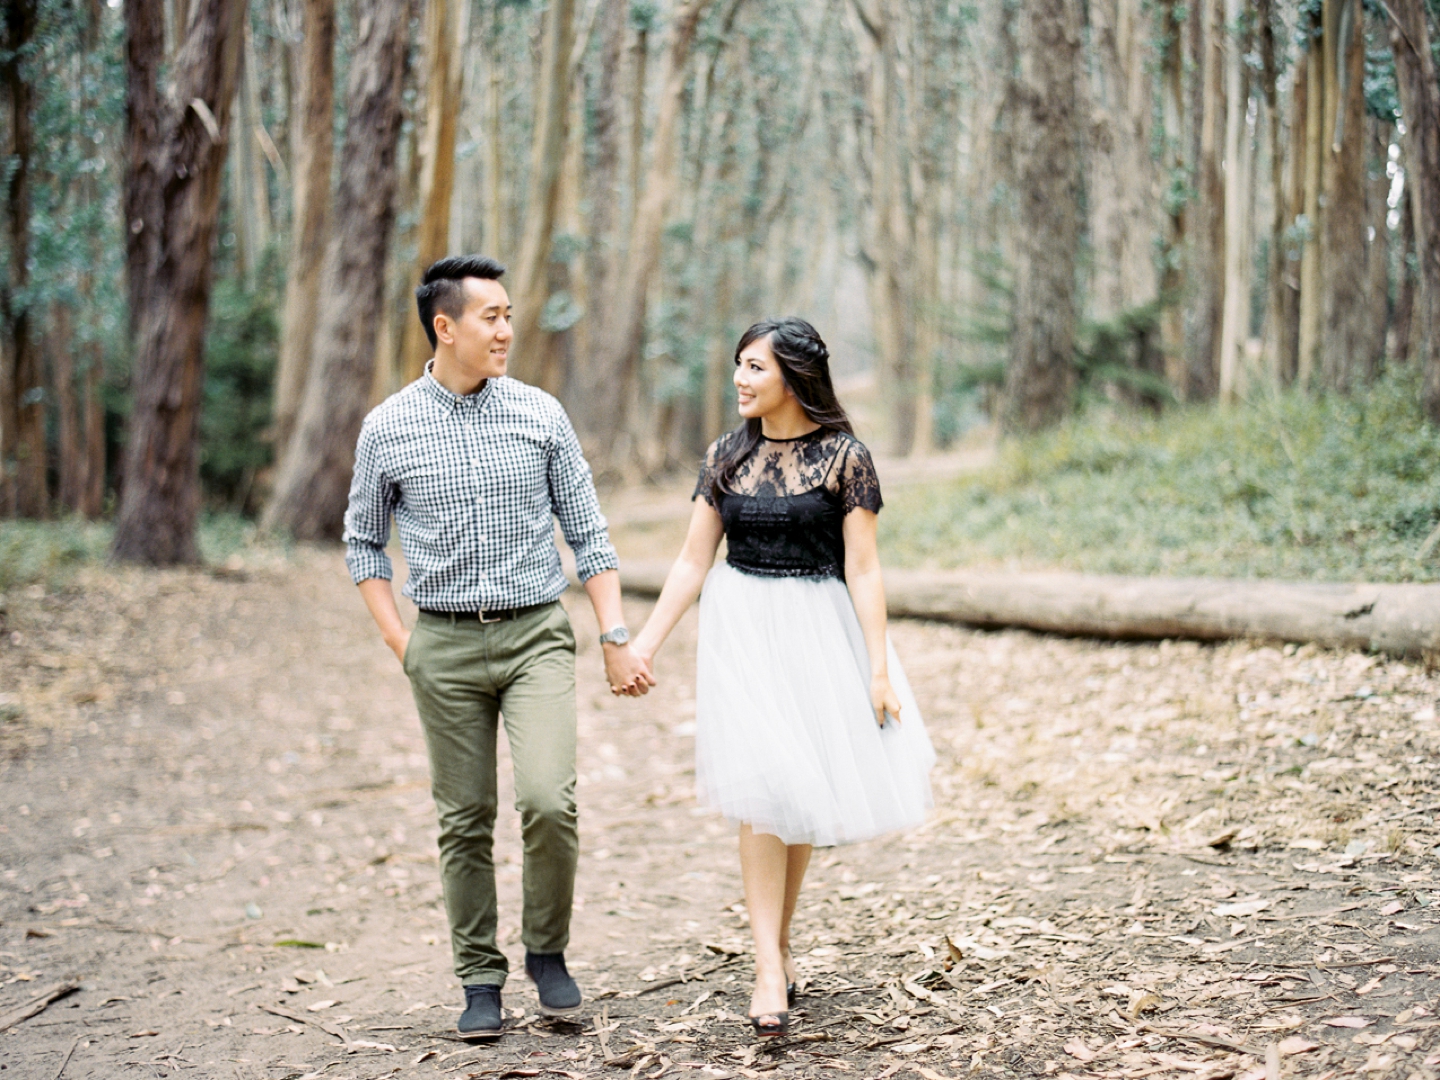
(618, 636)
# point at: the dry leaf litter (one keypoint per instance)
(1150, 860)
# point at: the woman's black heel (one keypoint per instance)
(771, 1024)
(791, 994)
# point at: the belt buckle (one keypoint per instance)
(486, 622)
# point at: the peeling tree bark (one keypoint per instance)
(312, 156)
(615, 360)
(1040, 377)
(1420, 108)
(1346, 343)
(177, 153)
(313, 484)
(552, 112)
(446, 30)
(22, 397)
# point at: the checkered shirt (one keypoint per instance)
(473, 483)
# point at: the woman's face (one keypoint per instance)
(759, 383)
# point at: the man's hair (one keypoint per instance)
(442, 287)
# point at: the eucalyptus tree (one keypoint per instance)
(314, 479)
(177, 140)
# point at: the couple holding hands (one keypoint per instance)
(806, 730)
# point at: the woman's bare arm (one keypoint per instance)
(867, 593)
(683, 583)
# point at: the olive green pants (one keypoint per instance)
(465, 675)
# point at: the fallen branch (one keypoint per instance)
(1207, 1040)
(1398, 619)
(37, 1004)
(910, 1036)
(68, 1055)
(686, 977)
(300, 1018)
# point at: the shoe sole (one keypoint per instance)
(480, 1036)
(548, 1010)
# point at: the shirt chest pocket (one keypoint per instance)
(509, 470)
(433, 489)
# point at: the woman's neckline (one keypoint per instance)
(793, 438)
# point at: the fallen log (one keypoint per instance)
(1401, 620)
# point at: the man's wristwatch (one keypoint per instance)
(618, 635)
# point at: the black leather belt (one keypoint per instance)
(497, 615)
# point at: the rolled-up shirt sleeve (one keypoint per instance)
(367, 519)
(572, 494)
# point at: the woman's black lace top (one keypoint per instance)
(785, 508)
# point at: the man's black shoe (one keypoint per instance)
(558, 992)
(482, 1017)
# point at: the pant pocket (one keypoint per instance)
(407, 662)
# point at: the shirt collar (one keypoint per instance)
(448, 400)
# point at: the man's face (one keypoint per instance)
(481, 336)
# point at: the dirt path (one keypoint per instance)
(1158, 860)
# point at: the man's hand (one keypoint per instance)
(380, 599)
(628, 672)
(398, 644)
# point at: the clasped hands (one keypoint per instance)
(627, 670)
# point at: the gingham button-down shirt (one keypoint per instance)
(473, 483)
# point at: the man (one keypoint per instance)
(473, 466)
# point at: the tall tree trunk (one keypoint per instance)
(614, 362)
(182, 143)
(1420, 108)
(60, 342)
(1345, 343)
(250, 197)
(496, 212)
(552, 113)
(1405, 288)
(1122, 208)
(888, 247)
(1311, 311)
(1040, 377)
(312, 485)
(1174, 166)
(1378, 134)
(92, 407)
(92, 494)
(22, 393)
(1206, 265)
(1235, 309)
(312, 156)
(606, 197)
(446, 30)
(1279, 338)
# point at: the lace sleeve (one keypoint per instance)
(705, 485)
(859, 486)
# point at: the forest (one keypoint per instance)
(998, 211)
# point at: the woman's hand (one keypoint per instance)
(883, 699)
(629, 675)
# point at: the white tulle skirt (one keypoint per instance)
(785, 740)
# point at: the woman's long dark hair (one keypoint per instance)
(805, 365)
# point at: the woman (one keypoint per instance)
(799, 696)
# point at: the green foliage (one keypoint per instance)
(240, 356)
(1382, 93)
(77, 252)
(1284, 486)
(48, 552)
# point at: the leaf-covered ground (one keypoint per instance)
(1156, 860)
